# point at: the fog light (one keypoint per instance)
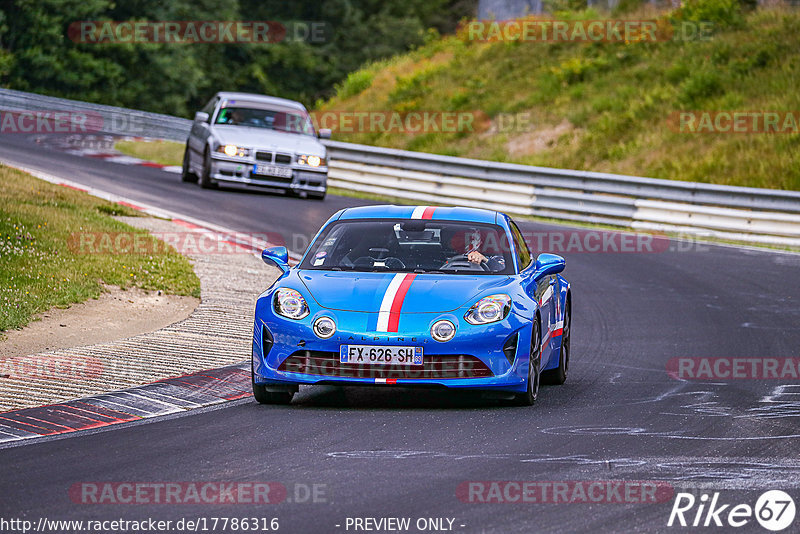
(324, 327)
(443, 331)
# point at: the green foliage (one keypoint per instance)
(38, 52)
(699, 87)
(355, 83)
(721, 12)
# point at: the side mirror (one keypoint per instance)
(547, 264)
(324, 133)
(200, 117)
(277, 256)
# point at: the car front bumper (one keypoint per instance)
(287, 352)
(226, 170)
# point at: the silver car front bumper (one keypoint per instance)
(240, 172)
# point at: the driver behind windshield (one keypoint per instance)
(473, 240)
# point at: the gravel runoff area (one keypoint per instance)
(217, 333)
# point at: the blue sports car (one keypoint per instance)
(413, 296)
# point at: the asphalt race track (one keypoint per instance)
(390, 452)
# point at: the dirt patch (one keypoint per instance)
(539, 140)
(117, 314)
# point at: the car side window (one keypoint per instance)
(522, 248)
(209, 108)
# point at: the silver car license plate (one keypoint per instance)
(272, 170)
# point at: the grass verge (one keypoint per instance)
(156, 150)
(39, 269)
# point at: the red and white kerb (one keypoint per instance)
(392, 303)
(423, 212)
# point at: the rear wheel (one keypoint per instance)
(558, 375)
(534, 370)
(186, 172)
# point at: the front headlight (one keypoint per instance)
(489, 310)
(290, 304)
(311, 161)
(233, 151)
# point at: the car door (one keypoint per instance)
(541, 290)
(200, 132)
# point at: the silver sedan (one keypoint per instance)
(256, 140)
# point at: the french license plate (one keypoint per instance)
(380, 355)
(272, 170)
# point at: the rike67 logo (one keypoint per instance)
(774, 510)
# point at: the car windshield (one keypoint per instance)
(419, 246)
(283, 120)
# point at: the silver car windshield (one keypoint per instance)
(419, 246)
(282, 120)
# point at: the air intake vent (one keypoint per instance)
(264, 156)
(510, 348)
(266, 341)
(285, 159)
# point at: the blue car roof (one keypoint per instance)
(433, 212)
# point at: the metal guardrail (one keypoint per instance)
(728, 212)
(102, 119)
(738, 213)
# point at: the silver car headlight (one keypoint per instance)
(489, 310)
(311, 161)
(290, 304)
(233, 151)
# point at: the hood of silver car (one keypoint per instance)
(268, 139)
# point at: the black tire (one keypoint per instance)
(558, 375)
(205, 177)
(263, 396)
(534, 370)
(317, 196)
(186, 174)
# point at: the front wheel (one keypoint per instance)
(263, 396)
(558, 375)
(186, 172)
(534, 370)
(317, 196)
(205, 176)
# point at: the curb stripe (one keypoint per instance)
(141, 402)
